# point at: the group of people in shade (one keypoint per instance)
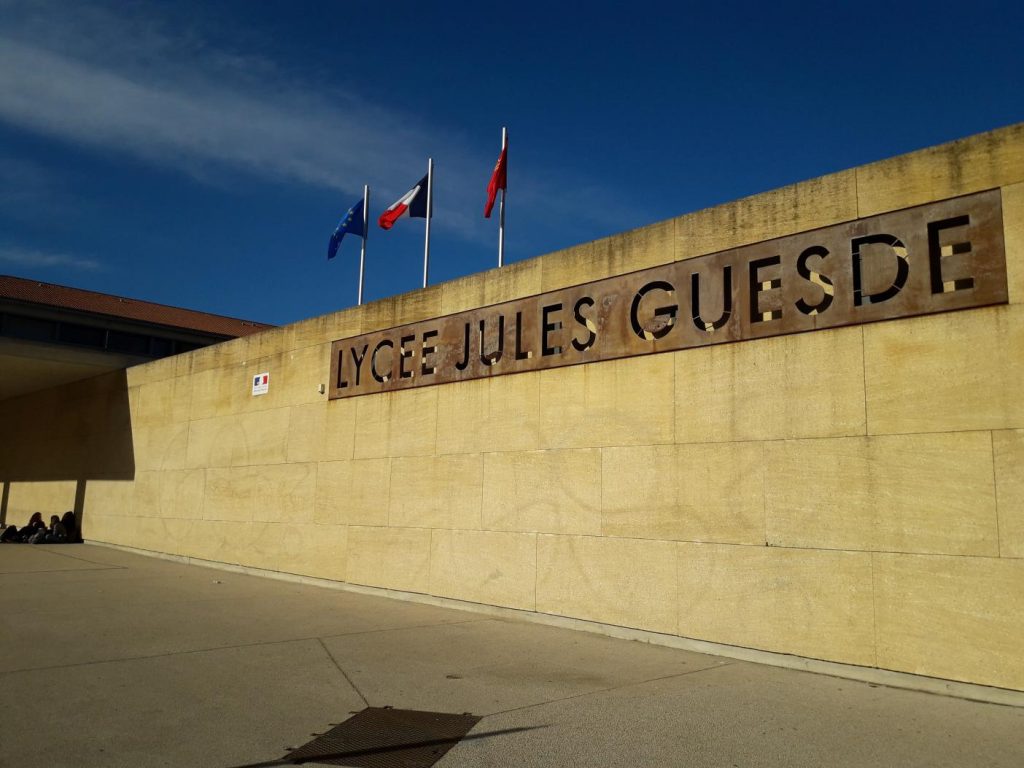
(61, 530)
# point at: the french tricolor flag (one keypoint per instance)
(413, 204)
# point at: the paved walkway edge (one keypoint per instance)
(873, 675)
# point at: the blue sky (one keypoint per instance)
(200, 154)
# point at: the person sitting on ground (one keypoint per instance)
(56, 535)
(10, 534)
(71, 527)
(39, 537)
(35, 524)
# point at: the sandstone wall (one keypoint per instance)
(854, 495)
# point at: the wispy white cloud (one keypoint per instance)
(27, 257)
(285, 135)
(127, 83)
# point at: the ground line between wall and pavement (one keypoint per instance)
(871, 675)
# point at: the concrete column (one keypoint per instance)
(79, 506)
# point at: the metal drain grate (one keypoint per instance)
(387, 738)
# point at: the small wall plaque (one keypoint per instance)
(261, 383)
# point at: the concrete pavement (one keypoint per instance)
(110, 658)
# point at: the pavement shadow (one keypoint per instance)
(355, 754)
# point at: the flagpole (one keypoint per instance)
(501, 208)
(430, 205)
(366, 234)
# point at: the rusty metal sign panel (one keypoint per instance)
(938, 257)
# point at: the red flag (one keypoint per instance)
(499, 180)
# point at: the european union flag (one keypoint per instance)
(351, 224)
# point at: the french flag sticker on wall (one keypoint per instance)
(260, 384)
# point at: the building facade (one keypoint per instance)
(844, 484)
